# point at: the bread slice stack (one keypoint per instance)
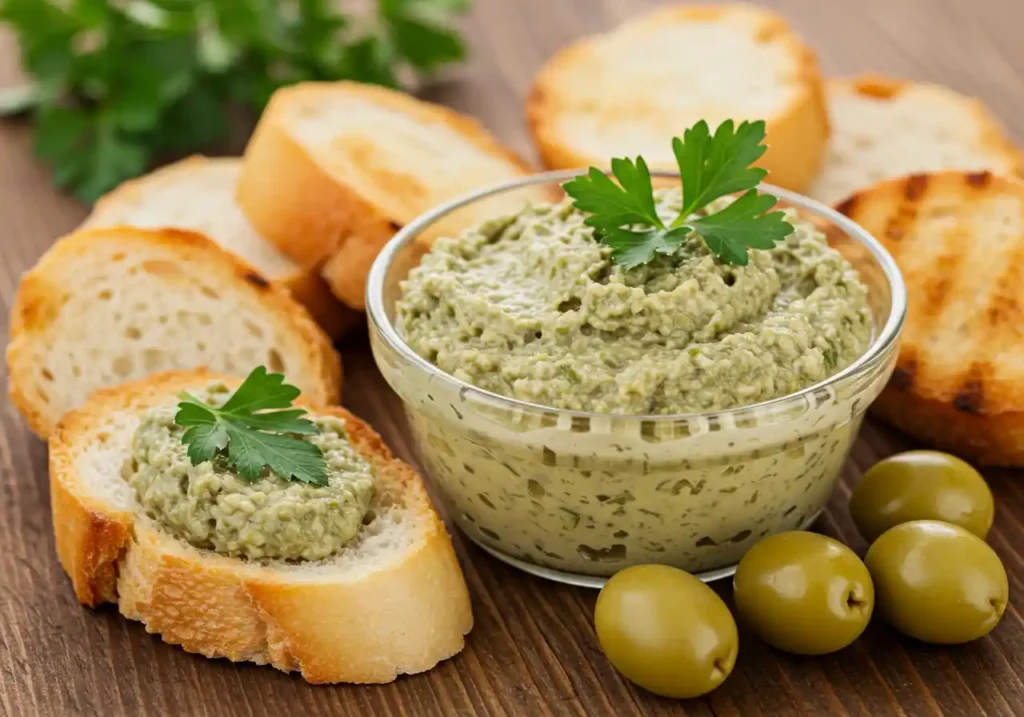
(392, 602)
(198, 194)
(333, 170)
(884, 128)
(632, 90)
(108, 305)
(958, 238)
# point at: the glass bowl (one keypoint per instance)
(577, 496)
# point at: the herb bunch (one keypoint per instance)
(117, 84)
(625, 217)
(256, 428)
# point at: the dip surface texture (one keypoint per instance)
(210, 506)
(532, 307)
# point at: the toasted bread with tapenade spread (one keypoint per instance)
(391, 602)
(629, 91)
(103, 306)
(958, 238)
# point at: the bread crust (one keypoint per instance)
(39, 300)
(398, 618)
(797, 137)
(307, 286)
(956, 384)
(317, 218)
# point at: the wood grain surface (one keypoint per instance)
(533, 650)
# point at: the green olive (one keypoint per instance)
(937, 582)
(666, 631)
(921, 485)
(804, 592)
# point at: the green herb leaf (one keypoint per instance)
(714, 166)
(253, 434)
(711, 166)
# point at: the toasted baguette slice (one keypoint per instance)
(335, 169)
(394, 601)
(106, 305)
(630, 91)
(958, 238)
(198, 194)
(884, 128)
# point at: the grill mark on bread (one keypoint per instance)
(915, 187)
(979, 180)
(905, 215)
(903, 375)
(256, 280)
(970, 398)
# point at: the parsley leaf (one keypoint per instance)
(256, 427)
(625, 217)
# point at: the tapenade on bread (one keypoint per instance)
(345, 576)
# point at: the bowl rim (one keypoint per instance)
(379, 321)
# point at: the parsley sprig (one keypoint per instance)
(625, 216)
(116, 86)
(251, 434)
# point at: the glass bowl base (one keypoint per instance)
(596, 581)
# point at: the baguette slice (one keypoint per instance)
(958, 238)
(198, 194)
(884, 128)
(392, 602)
(106, 305)
(628, 92)
(333, 170)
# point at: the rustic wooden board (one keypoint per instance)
(533, 649)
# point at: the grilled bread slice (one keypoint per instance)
(884, 128)
(106, 305)
(198, 194)
(333, 170)
(630, 91)
(958, 238)
(394, 601)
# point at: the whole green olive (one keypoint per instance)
(804, 592)
(666, 630)
(937, 582)
(921, 485)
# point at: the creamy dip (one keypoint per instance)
(210, 506)
(532, 307)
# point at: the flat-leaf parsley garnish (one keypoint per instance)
(256, 428)
(624, 215)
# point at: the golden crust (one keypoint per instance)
(797, 137)
(316, 217)
(958, 238)
(39, 300)
(402, 617)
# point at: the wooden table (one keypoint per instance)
(533, 649)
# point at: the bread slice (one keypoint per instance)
(958, 238)
(630, 91)
(394, 601)
(884, 128)
(333, 170)
(198, 194)
(106, 305)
